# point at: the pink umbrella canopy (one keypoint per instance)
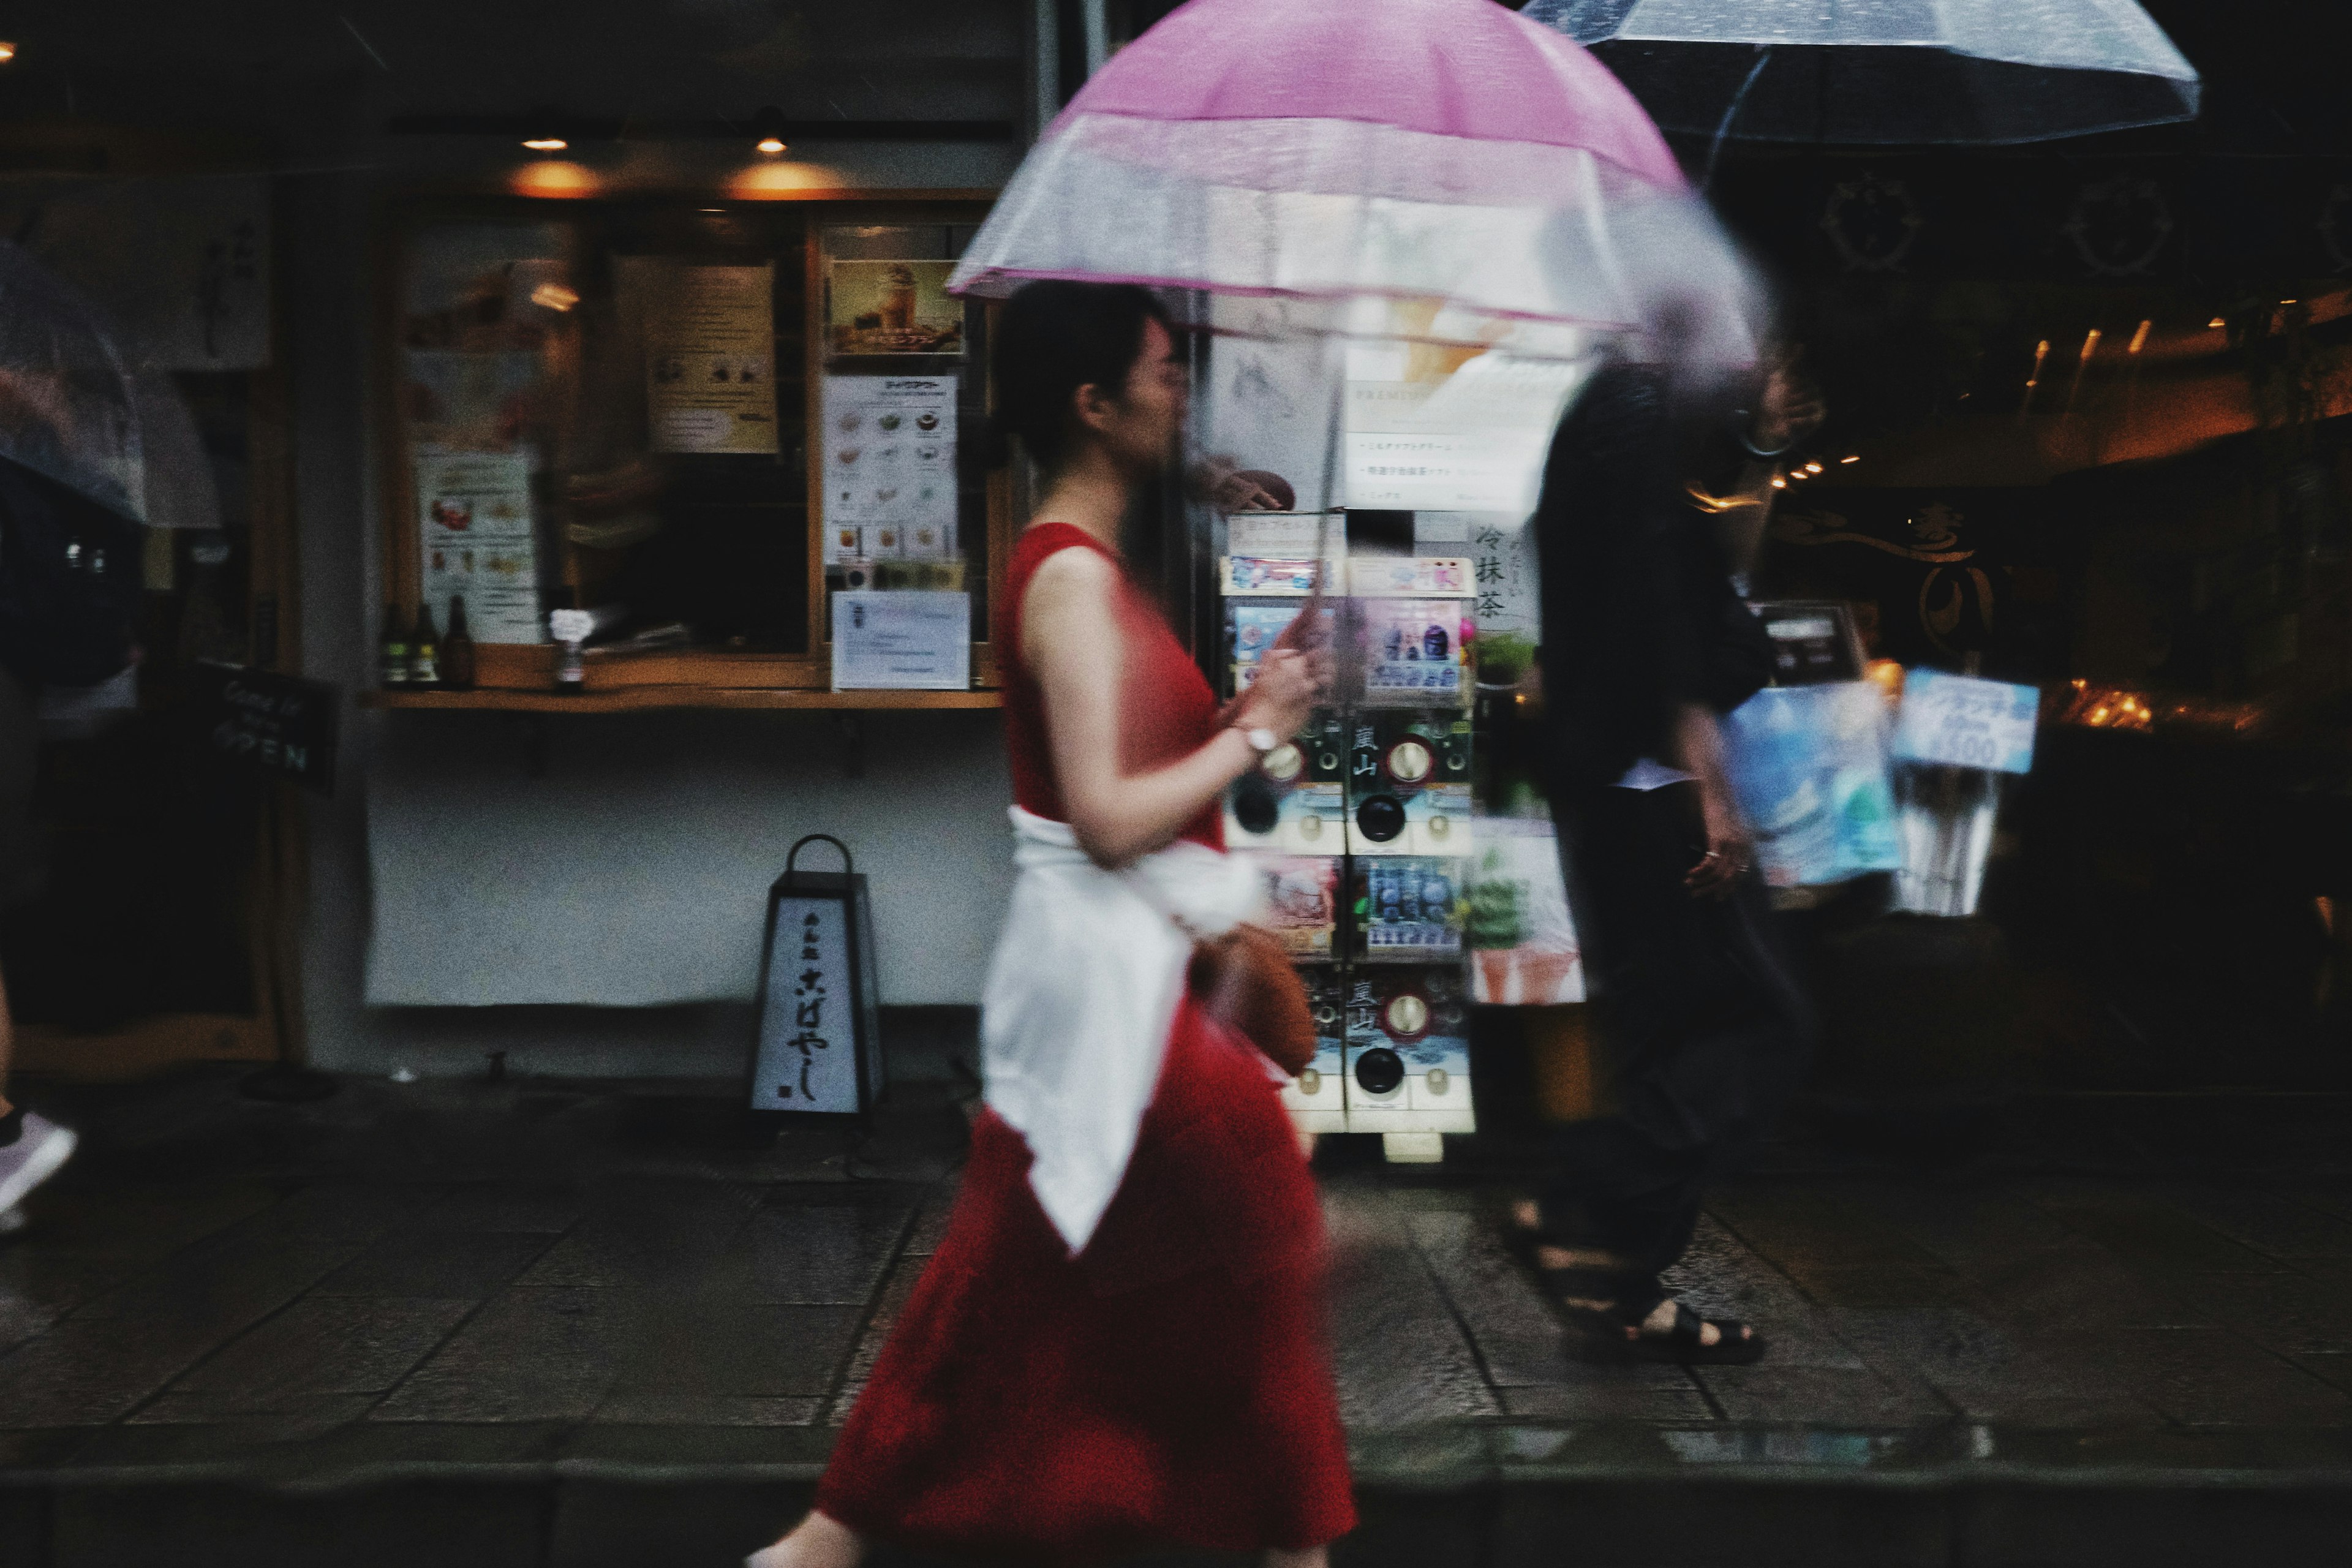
(1329, 150)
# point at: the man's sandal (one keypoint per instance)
(1681, 1345)
(1601, 1331)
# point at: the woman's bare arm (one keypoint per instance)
(1070, 641)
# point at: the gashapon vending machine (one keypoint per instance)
(1362, 822)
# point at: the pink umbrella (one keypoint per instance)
(1332, 149)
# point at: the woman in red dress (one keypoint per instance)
(1120, 1340)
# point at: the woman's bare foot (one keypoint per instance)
(817, 1541)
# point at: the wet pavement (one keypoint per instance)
(620, 1332)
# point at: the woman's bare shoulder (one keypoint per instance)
(1072, 569)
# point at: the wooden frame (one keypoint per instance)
(275, 890)
(520, 676)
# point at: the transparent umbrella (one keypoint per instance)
(1325, 152)
(69, 406)
(1902, 72)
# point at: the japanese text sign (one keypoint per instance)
(1965, 723)
(808, 1044)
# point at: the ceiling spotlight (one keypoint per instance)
(7, 53)
(2217, 323)
(1812, 468)
(1855, 459)
(1779, 483)
(2139, 338)
(548, 131)
(554, 297)
(768, 127)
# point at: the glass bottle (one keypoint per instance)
(457, 648)
(393, 669)
(425, 651)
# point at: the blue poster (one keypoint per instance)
(1809, 766)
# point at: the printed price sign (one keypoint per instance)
(1965, 723)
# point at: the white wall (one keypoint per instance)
(635, 872)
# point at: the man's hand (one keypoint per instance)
(1790, 407)
(1727, 848)
(1226, 485)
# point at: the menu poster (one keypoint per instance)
(1425, 434)
(477, 542)
(889, 465)
(892, 308)
(711, 348)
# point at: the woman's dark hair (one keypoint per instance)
(1053, 337)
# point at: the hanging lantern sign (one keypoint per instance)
(820, 1042)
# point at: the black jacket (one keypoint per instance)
(1639, 613)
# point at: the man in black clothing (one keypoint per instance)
(1654, 494)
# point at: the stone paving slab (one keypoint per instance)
(609, 1294)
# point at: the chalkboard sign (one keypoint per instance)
(274, 724)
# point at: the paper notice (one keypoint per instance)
(907, 639)
(889, 463)
(711, 346)
(475, 541)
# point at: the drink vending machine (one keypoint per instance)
(1362, 821)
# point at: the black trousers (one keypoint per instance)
(1703, 1030)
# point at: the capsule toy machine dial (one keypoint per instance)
(1288, 814)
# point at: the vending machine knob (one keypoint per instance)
(1310, 1081)
(1256, 805)
(1410, 762)
(1437, 1078)
(1406, 1016)
(1380, 1071)
(1284, 762)
(1381, 817)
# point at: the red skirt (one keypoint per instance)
(1171, 1383)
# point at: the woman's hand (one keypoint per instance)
(1728, 851)
(1290, 683)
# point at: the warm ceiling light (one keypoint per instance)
(553, 297)
(2217, 323)
(1780, 484)
(1855, 459)
(768, 126)
(1812, 468)
(546, 143)
(7, 53)
(2090, 343)
(2139, 338)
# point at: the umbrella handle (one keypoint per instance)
(1723, 126)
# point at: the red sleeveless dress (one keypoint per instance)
(1172, 1382)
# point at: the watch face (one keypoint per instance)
(1410, 762)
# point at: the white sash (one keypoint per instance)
(1080, 997)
